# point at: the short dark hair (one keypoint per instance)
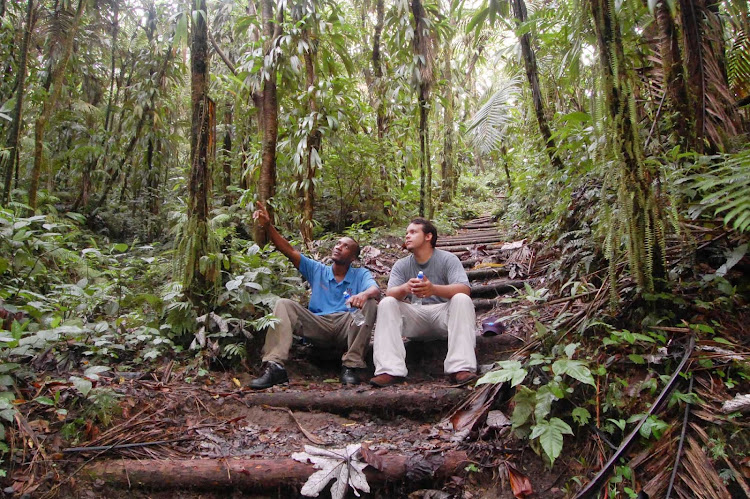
(427, 228)
(357, 248)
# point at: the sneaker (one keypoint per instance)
(462, 377)
(385, 379)
(272, 374)
(349, 376)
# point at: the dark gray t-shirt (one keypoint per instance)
(442, 268)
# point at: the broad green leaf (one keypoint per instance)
(576, 369)
(570, 349)
(510, 370)
(581, 416)
(45, 400)
(10, 366)
(550, 434)
(544, 399)
(525, 400)
(82, 385)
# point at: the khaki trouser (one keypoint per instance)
(454, 320)
(336, 329)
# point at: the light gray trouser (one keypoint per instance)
(336, 329)
(454, 320)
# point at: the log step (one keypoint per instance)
(261, 474)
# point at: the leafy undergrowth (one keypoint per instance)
(100, 351)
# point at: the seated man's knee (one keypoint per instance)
(461, 299)
(282, 304)
(388, 302)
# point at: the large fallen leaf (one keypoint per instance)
(340, 465)
(519, 483)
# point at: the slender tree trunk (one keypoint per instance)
(55, 80)
(424, 50)
(314, 139)
(674, 82)
(532, 75)
(447, 167)
(691, 32)
(196, 282)
(377, 68)
(227, 153)
(113, 172)
(14, 133)
(267, 183)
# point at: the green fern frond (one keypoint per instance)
(726, 190)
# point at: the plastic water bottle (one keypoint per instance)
(416, 300)
(357, 315)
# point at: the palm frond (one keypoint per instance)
(738, 65)
(487, 127)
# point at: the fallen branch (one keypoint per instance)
(680, 445)
(254, 474)
(310, 436)
(595, 484)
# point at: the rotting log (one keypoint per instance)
(396, 400)
(470, 240)
(256, 474)
(496, 289)
(486, 273)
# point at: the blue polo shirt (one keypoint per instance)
(328, 295)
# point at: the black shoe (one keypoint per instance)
(349, 376)
(273, 374)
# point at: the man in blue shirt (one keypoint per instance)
(326, 321)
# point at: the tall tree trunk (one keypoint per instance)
(674, 82)
(713, 102)
(377, 68)
(314, 139)
(14, 133)
(641, 220)
(691, 32)
(423, 48)
(447, 168)
(532, 75)
(270, 110)
(197, 282)
(55, 82)
(227, 153)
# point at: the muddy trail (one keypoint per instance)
(184, 432)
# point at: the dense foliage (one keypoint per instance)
(602, 128)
